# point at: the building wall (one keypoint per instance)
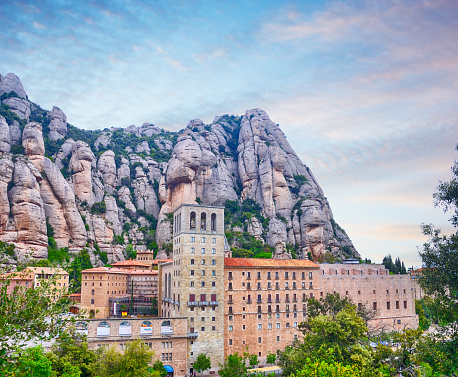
(96, 289)
(198, 269)
(270, 323)
(371, 285)
(164, 345)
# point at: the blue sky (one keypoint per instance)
(365, 91)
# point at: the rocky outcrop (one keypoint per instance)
(144, 173)
(11, 83)
(58, 124)
(5, 136)
(81, 164)
(19, 106)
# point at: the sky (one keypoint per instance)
(365, 91)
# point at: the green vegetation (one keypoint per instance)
(397, 267)
(99, 208)
(202, 363)
(236, 365)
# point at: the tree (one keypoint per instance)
(333, 338)
(439, 279)
(202, 363)
(158, 366)
(38, 313)
(134, 362)
(71, 351)
(271, 357)
(30, 363)
(235, 365)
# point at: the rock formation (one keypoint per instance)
(119, 186)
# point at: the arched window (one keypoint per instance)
(166, 328)
(192, 221)
(203, 221)
(146, 328)
(103, 329)
(125, 328)
(165, 286)
(213, 222)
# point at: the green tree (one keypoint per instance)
(31, 362)
(134, 362)
(439, 279)
(271, 357)
(327, 369)
(333, 338)
(30, 313)
(202, 363)
(236, 365)
(71, 350)
(158, 366)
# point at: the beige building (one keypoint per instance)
(192, 285)
(264, 303)
(390, 296)
(167, 337)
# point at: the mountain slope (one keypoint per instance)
(103, 190)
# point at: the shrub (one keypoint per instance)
(99, 207)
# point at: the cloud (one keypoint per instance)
(39, 26)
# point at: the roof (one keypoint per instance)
(274, 263)
(143, 272)
(48, 270)
(111, 270)
(129, 263)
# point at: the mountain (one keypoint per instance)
(66, 188)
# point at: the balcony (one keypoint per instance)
(269, 301)
(192, 335)
(214, 303)
(277, 300)
(259, 301)
(203, 303)
(192, 303)
(230, 302)
(249, 301)
(287, 300)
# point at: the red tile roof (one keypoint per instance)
(130, 262)
(261, 262)
(106, 270)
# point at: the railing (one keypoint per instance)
(230, 302)
(249, 301)
(203, 303)
(192, 303)
(192, 335)
(259, 301)
(214, 303)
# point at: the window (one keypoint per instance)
(259, 326)
(192, 297)
(405, 304)
(213, 251)
(192, 284)
(397, 304)
(192, 261)
(286, 285)
(92, 301)
(213, 284)
(387, 305)
(203, 240)
(213, 272)
(202, 273)
(310, 275)
(294, 275)
(286, 275)
(92, 292)
(193, 250)
(213, 319)
(192, 272)
(259, 340)
(268, 275)
(202, 284)
(230, 327)
(213, 240)
(278, 338)
(193, 239)
(213, 221)
(213, 262)
(277, 325)
(192, 221)
(203, 250)
(259, 285)
(374, 306)
(202, 329)
(203, 221)
(269, 326)
(276, 275)
(202, 262)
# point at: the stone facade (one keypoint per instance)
(167, 338)
(390, 296)
(193, 283)
(264, 303)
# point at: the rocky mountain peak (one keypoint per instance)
(63, 187)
